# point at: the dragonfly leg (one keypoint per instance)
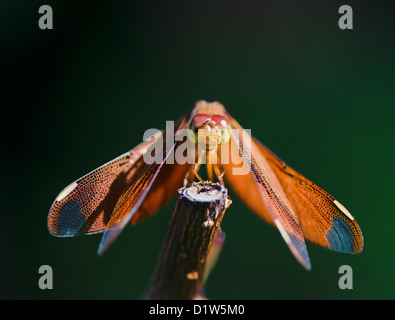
(219, 171)
(196, 167)
(209, 166)
(193, 170)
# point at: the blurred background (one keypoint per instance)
(77, 96)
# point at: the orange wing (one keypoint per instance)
(295, 205)
(112, 196)
(324, 220)
(272, 203)
(86, 205)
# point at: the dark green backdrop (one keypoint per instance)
(75, 97)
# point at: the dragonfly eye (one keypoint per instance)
(219, 120)
(200, 119)
(223, 125)
(195, 124)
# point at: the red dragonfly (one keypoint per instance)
(129, 188)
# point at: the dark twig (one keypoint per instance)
(187, 256)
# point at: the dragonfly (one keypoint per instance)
(129, 189)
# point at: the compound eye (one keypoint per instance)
(223, 124)
(200, 119)
(219, 120)
(195, 124)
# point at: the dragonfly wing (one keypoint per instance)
(324, 220)
(154, 184)
(86, 205)
(113, 195)
(272, 203)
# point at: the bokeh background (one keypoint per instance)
(77, 96)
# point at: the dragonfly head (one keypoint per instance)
(209, 131)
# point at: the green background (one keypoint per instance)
(77, 96)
